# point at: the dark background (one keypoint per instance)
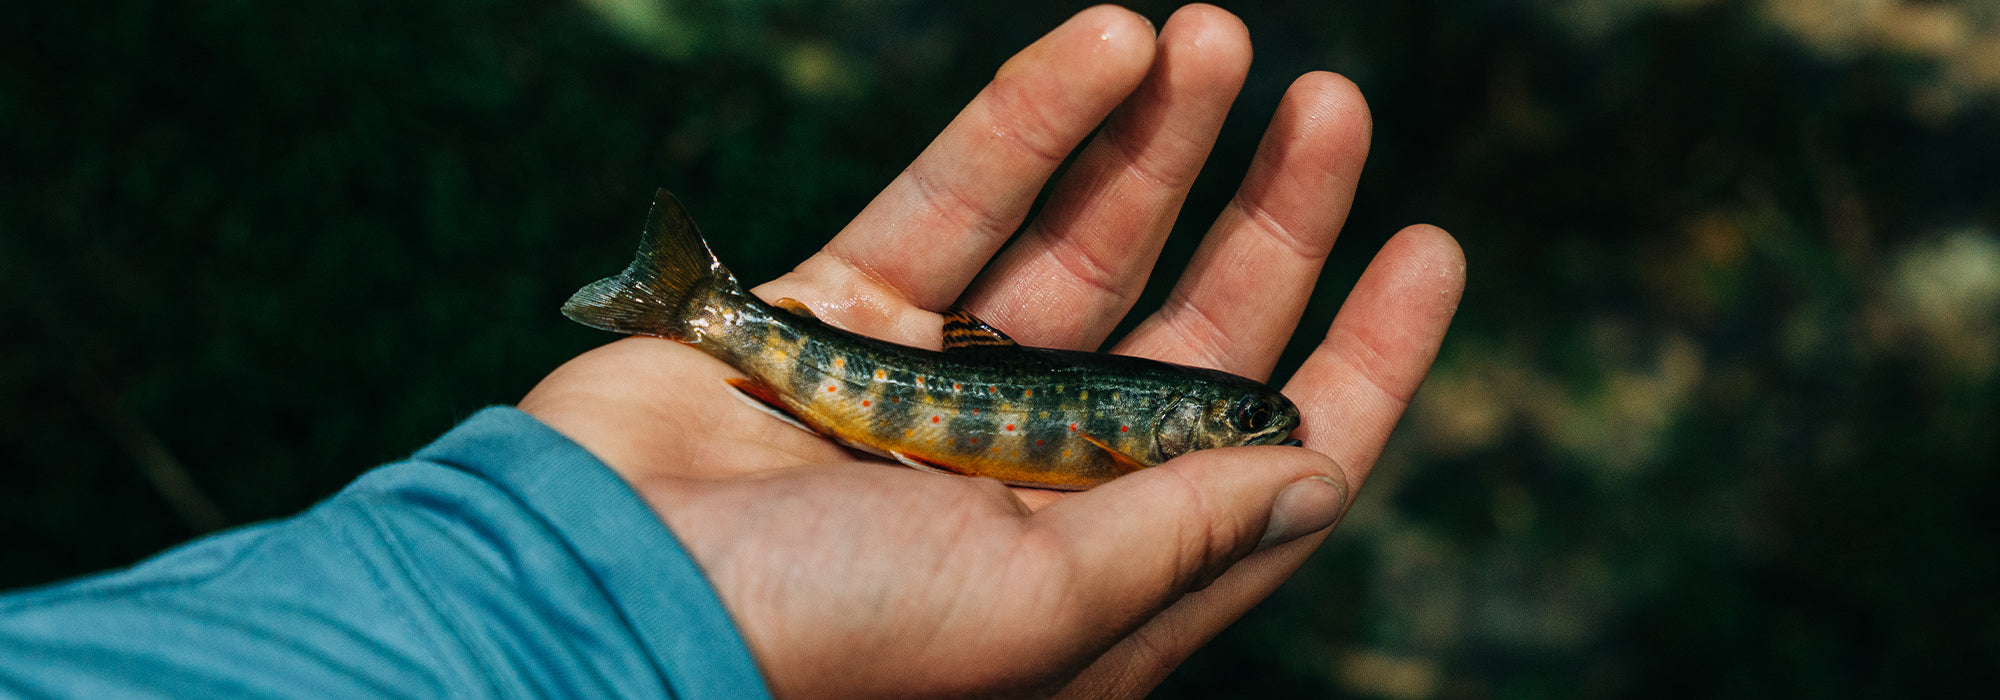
(1716, 418)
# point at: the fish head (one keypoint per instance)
(1231, 413)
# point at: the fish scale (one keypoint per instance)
(983, 406)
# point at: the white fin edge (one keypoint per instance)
(769, 409)
(917, 465)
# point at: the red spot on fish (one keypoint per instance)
(956, 387)
(920, 381)
(895, 399)
(975, 441)
(992, 390)
(1124, 428)
(1072, 427)
(829, 390)
(1010, 427)
(1027, 393)
(935, 419)
(1038, 443)
(975, 411)
(866, 403)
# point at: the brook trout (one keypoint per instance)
(984, 406)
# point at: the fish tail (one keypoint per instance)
(653, 296)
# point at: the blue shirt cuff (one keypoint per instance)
(627, 550)
(503, 560)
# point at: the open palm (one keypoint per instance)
(859, 578)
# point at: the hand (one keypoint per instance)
(863, 578)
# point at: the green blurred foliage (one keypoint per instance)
(1716, 419)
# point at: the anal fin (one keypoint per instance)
(759, 396)
(920, 464)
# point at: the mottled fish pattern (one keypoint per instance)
(984, 406)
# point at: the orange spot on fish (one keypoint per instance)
(1027, 393)
(1010, 427)
(909, 432)
(1072, 427)
(829, 390)
(957, 387)
(935, 419)
(866, 403)
(879, 374)
(920, 381)
(992, 390)
(840, 362)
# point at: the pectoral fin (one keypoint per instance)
(757, 395)
(963, 330)
(1123, 460)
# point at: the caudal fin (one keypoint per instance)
(651, 297)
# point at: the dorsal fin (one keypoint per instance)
(963, 330)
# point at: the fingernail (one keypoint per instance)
(1305, 507)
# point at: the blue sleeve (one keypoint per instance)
(502, 560)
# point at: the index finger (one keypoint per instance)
(1351, 391)
(919, 243)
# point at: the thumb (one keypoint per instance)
(1141, 542)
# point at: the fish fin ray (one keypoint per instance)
(963, 330)
(1124, 460)
(762, 398)
(920, 464)
(672, 267)
(795, 306)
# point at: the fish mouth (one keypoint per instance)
(1279, 433)
(1277, 436)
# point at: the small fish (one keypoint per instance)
(984, 406)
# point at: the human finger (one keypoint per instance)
(913, 249)
(1241, 296)
(1139, 543)
(1353, 388)
(1089, 250)
(1351, 392)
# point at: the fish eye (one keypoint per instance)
(1251, 415)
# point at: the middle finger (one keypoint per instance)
(1241, 296)
(1087, 255)
(912, 250)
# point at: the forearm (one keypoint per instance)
(501, 560)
